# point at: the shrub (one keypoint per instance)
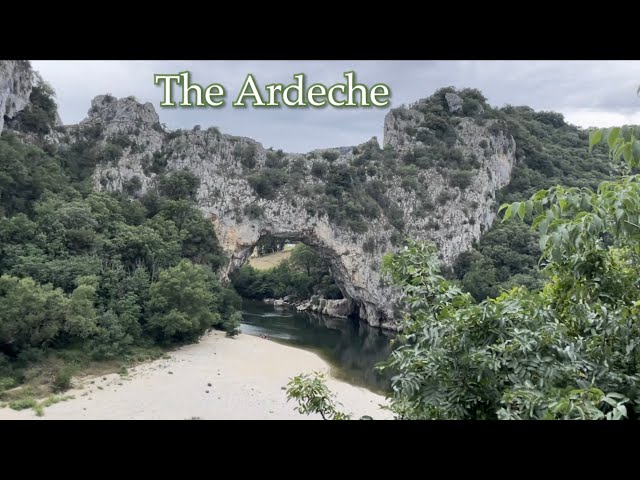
(120, 140)
(471, 107)
(253, 211)
(6, 383)
(179, 185)
(396, 239)
(330, 155)
(396, 217)
(23, 403)
(461, 179)
(369, 245)
(232, 324)
(319, 169)
(444, 196)
(358, 226)
(62, 379)
(409, 183)
(247, 153)
(132, 185)
(275, 159)
(267, 182)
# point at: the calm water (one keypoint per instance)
(351, 347)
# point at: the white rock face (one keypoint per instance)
(454, 102)
(241, 217)
(15, 87)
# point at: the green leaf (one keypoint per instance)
(529, 205)
(543, 227)
(522, 209)
(627, 153)
(539, 195)
(594, 138)
(617, 151)
(507, 214)
(544, 239)
(635, 149)
(614, 133)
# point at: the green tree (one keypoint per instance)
(31, 315)
(304, 257)
(232, 324)
(181, 304)
(180, 185)
(568, 351)
(81, 313)
(40, 114)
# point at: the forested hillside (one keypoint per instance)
(549, 152)
(87, 275)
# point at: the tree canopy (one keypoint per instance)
(567, 351)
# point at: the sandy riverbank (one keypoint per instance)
(246, 374)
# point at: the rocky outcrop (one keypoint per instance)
(15, 87)
(454, 102)
(117, 115)
(342, 308)
(226, 164)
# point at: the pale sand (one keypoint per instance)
(246, 374)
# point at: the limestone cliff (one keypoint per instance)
(351, 204)
(15, 87)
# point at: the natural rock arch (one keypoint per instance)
(226, 164)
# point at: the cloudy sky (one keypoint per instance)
(588, 93)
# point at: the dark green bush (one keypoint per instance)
(247, 153)
(461, 179)
(330, 155)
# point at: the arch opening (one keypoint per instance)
(290, 269)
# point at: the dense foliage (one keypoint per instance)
(39, 116)
(303, 274)
(548, 152)
(99, 273)
(568, 351)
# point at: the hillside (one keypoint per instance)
(447, 163)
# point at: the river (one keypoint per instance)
(351, 347)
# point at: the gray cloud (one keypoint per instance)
(587, 92)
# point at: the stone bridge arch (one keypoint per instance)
(346, 260)
(246, 190)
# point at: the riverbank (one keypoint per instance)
(218, 378)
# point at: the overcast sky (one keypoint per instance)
(588, 93)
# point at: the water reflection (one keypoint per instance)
(352, 348)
